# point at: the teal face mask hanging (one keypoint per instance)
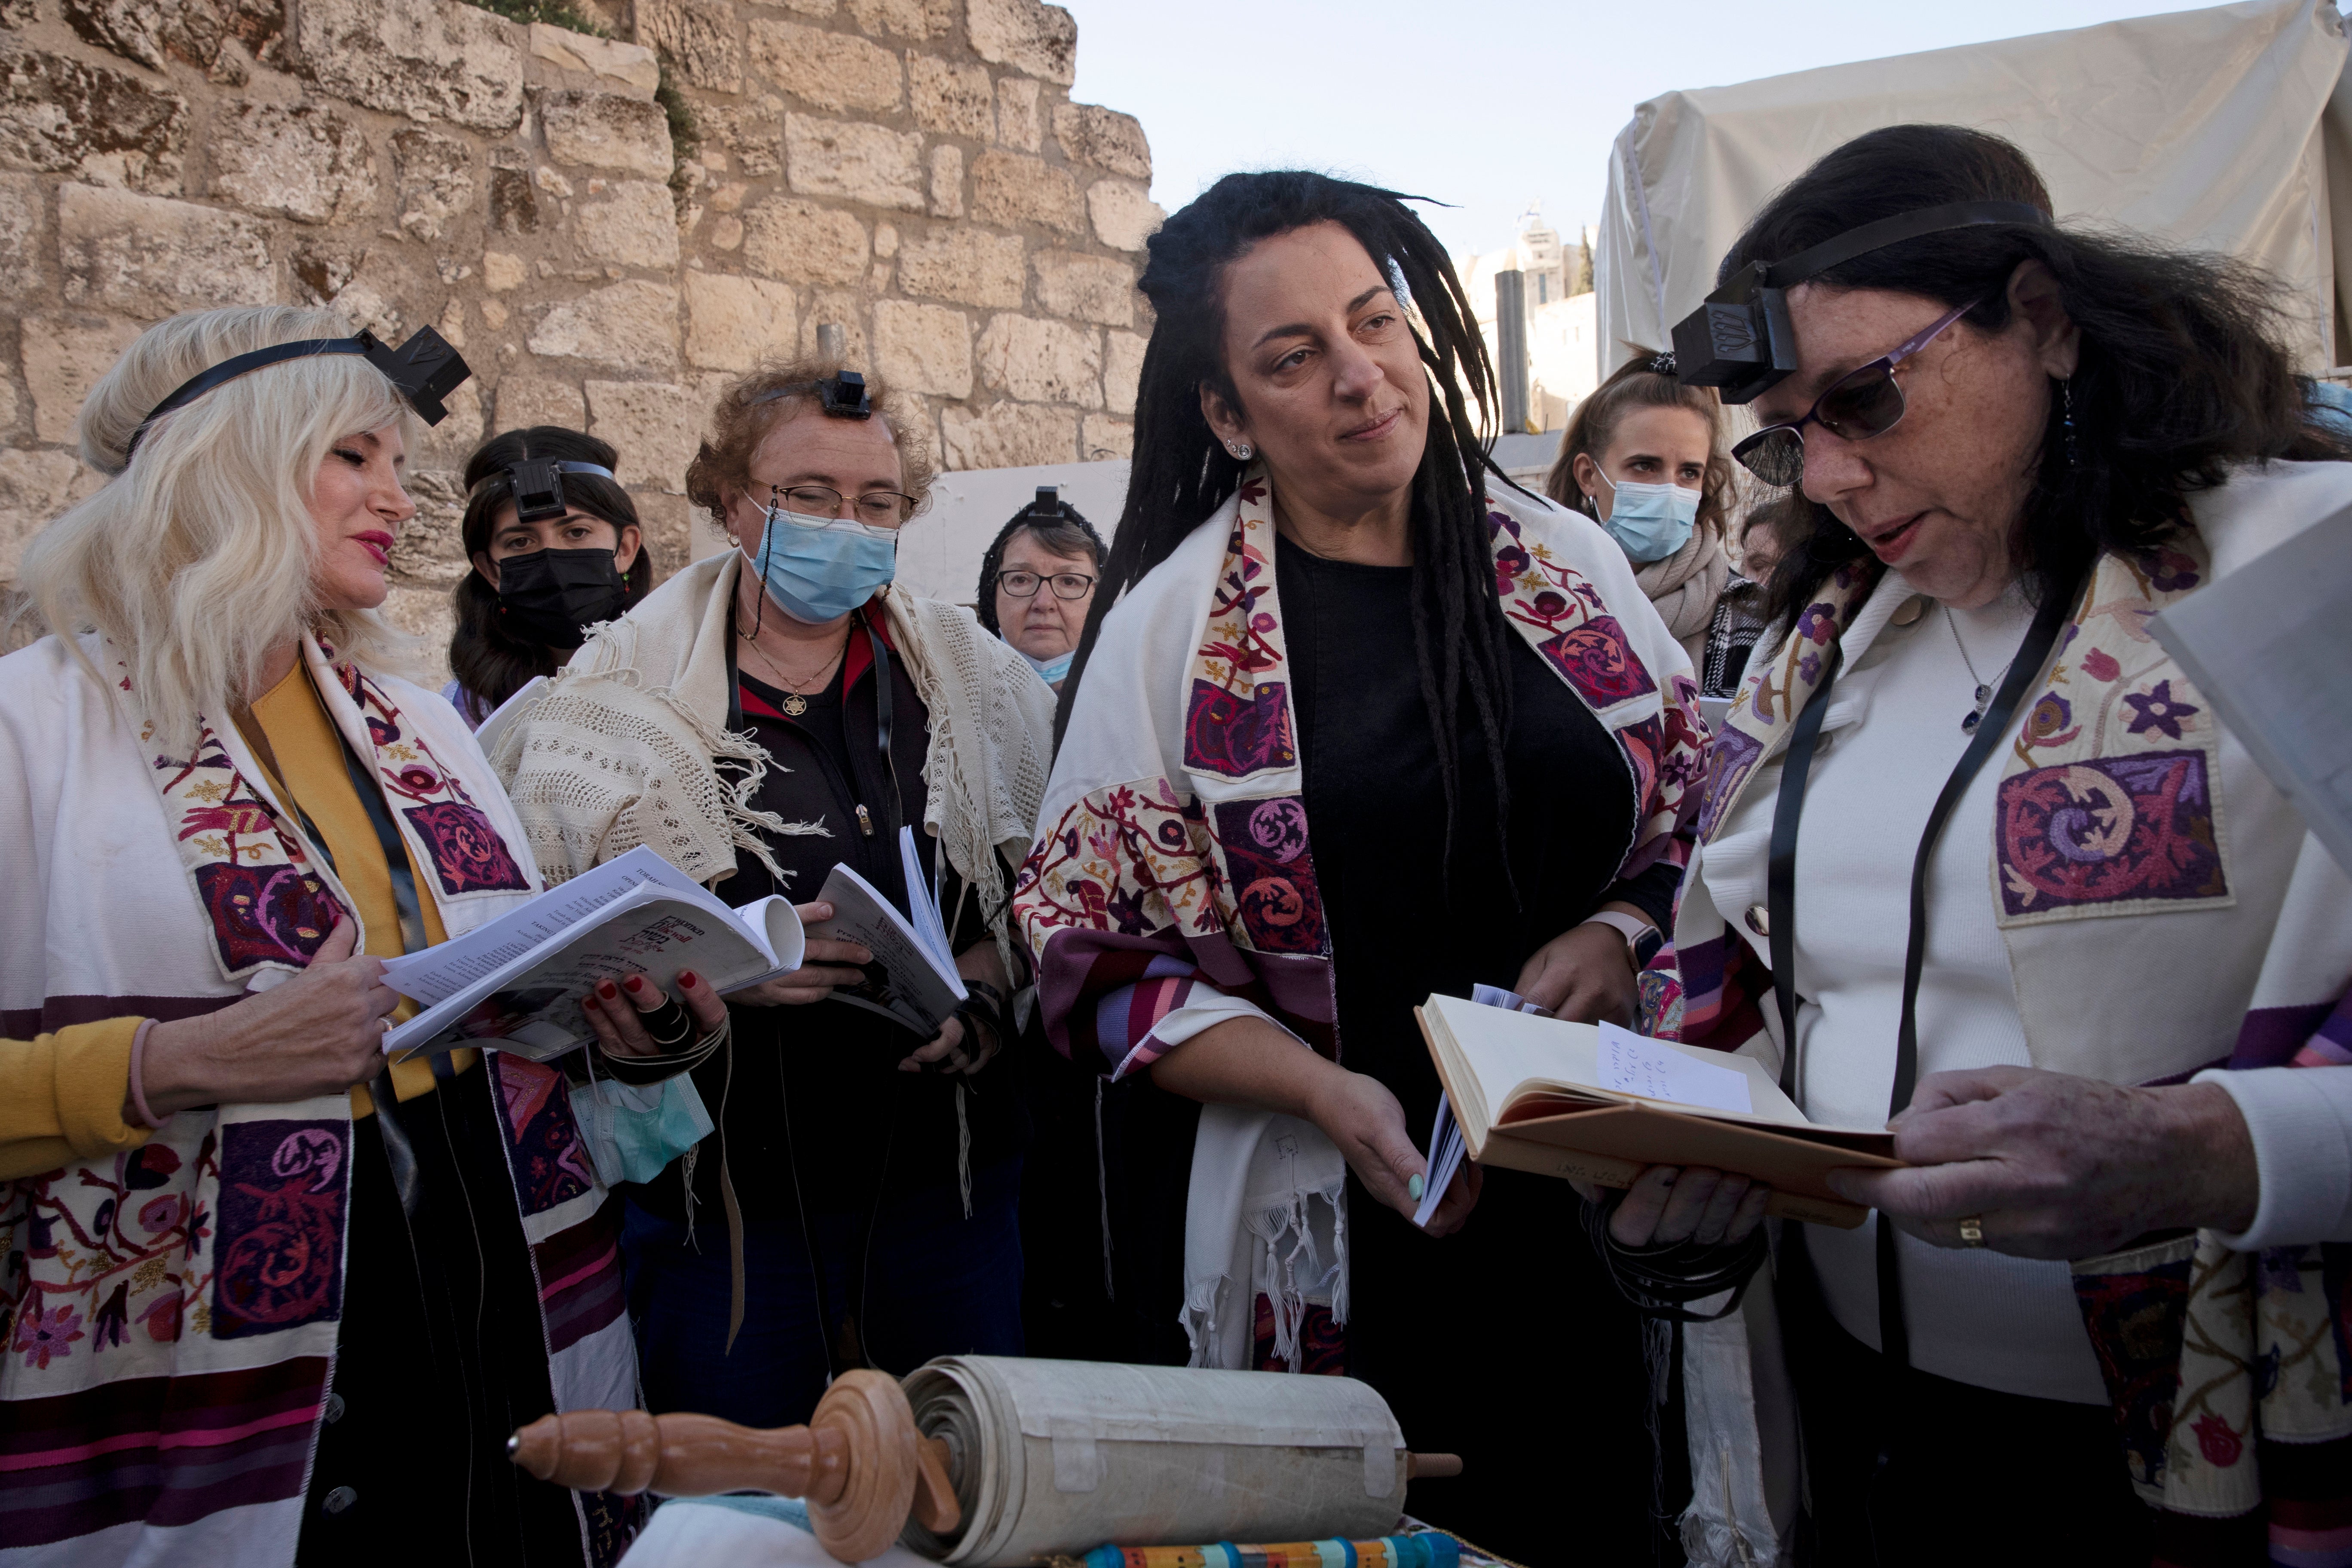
(1650, 522)
(820, 569)
(634, 1131)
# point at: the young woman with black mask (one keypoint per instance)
(538, 582)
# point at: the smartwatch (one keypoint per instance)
(1642, 940)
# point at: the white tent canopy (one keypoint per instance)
(2221, 130)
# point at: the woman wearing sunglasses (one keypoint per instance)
(2006, 444)
(770, 711)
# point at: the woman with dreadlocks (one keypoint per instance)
(1365, 723)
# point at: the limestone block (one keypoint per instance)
(950, 97)
(655, 426)
(305, 162)
(448, 443)
(962, 263)
(801, 242)
(34, 486)
(837, 308)
(1105, 438)
(9, 404)
(636, 225)
(733, 323)
(606, 130)
(907, 18)
(1007, 436)
(633, 66)
(699, 35)
(436, 181)
(1124, 215)
(502, 272)
(513, 208)
(671, 530)
(1090, 133)
(829, 71)
(423, 59)
(24, 226)
(1018, 123)
(866, 164)
(429, 551)
(727, 234)
(886, 240)
(150, 32)
(628, 323)
(1040, 40)
(946, 182)
(64, 357)
(61, 116)
(1042, 361)
(1010, 189)
(379, 292)
(1122, 370)
(753, 134)
(1089, 287)
(149, 257)
(923, 348)
(526, 400)
(426, 615)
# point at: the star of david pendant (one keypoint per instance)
(795, 705)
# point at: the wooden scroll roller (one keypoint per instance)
(860, 1463)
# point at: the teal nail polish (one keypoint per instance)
(1415, 1187)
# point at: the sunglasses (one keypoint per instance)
(1858, 404)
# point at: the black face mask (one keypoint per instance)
(549, 595)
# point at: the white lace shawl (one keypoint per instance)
(628, 745)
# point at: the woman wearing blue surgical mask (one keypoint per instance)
(1037, 582)
(778, 709)
(1645, 457)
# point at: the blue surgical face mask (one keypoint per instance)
(818, 569)
(633, 1133)
(1650, 522)
(1053, 670)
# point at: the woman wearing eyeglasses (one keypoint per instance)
(1037, 582)
(2007, 445)
(771, 711)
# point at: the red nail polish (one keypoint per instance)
(605, 989)
(634, 984)
(589, 1000)
(687, 978)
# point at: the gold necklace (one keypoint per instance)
(795, 699)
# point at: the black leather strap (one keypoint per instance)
(1780, 871)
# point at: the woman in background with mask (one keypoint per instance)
(769, 712)
(1645, 457)
(538, 582)
(1037, 582)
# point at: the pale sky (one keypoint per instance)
(1488, 104)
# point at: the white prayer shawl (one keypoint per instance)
(2135, 955)
(135, 885)
(620, 749)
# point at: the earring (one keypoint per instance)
(1240, 450)
(2073, 450)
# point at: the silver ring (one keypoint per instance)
(1973, 1230)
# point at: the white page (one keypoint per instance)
(1655, 1071)
(437, 974)
(491, 730)
(1446, 1150)
(923, 898)
(918, 989)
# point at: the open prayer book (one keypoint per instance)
(913, 977)
(1597, 1103)
(515, 982)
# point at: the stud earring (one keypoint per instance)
(1240, 450)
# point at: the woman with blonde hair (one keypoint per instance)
(1645, 457)
(267, 1299)
(774, 711)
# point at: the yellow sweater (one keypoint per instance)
(64, 1092)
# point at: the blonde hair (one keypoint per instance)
(197, 557)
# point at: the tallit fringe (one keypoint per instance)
(1294, 1272)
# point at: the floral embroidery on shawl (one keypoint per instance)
(550, 1166)
(281, 1213)
(255, 878)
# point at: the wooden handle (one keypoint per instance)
(1435, 1467)
(860, 1462)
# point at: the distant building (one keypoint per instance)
(1556, 281)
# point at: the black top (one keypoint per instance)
(818, 1086)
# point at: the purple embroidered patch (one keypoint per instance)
(468, 854)
(281, 1227)
(550, 1165)
(1729, 760)
(276, 914)
(1275, 893)
(1234, 737)
(2108, 830)
(1595, 660)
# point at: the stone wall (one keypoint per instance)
(910, 170)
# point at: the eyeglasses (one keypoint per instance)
(876, 509)
(1858, 404)
(1066, 584)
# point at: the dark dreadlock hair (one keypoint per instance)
(1062, 529)
(2182, 371)
(489, 660)
(1181, 472)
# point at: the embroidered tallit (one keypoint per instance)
(2139, 872)
(1172, 886)
(171, 1311)
(628, 745)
